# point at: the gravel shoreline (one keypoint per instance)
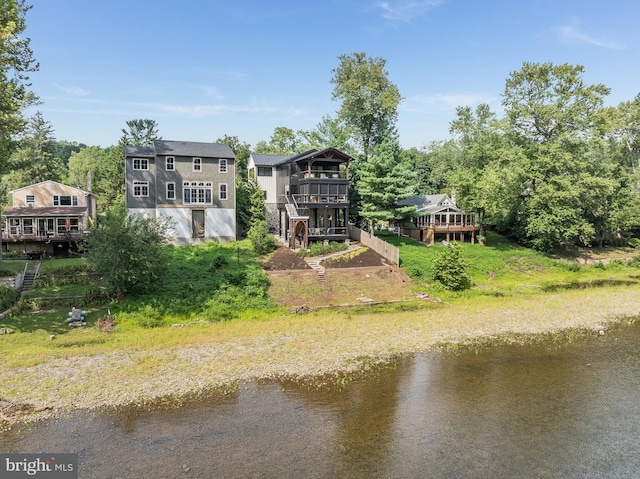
(293, 347)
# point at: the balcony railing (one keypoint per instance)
(334, 231)
(72, 235)
(322, 174)
(328, 199)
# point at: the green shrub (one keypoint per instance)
(261, 240)
(8, 296)
(449, 269)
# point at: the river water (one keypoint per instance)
(550, 410)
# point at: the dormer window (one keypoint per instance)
(197, 164)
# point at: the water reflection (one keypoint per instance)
(534, 411)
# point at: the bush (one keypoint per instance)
(260, 238)
(449, 269)
(8, 296)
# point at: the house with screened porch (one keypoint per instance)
(191, 183)
(439, 218)
(47, 219)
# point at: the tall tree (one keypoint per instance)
(284, 141)
(384, 180)
(242, 150)
(108, 184)
(34, 161)
(369, 99)
(141, 132)
(88, 160)
(16, 62)
(331, 132)
(554, 117)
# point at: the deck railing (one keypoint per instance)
(320, 199)
(322, 174)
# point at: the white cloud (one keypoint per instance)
(405, 10)
(572, 34)
(73, 90)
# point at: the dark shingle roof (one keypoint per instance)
(182, 148)
(144, 151)
(44, 211)
(192, 148)
(260, 159)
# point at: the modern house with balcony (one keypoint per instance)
(47, 219)
(307, 194)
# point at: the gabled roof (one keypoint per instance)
(260, 159)
(49, 182)
(326, 154)
(182, 148)
(428, 203)
(44, 211)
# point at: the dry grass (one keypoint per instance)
(342, 286)
(185, 361)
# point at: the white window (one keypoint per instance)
(197, 164)
(31, 200)
(170, 163)
(27, 226)
(223, 191)
(62, 200)
(171, 190)
(223, 165)
(197, 193)
(140, 188)
(62, 223)
(140, 164)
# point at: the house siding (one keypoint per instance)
(219, 214)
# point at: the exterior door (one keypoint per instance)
(197, 223)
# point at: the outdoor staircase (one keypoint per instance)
(320, 271)
(29, 278)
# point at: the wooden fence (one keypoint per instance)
(388, 251)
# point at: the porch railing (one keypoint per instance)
(320, 198)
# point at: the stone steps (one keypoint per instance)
(320, 271)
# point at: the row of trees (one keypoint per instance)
(557, 169)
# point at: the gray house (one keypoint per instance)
(307, 195)
(192, 183)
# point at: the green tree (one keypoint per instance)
(242, 150)
(383, 181)
(141, 132)
(34, 162)
(90, 159)
(16, 62)
(284, 141)
(128, 250)
(554, 117)
(369, 99)
(108, 180)
(64, 149)
(331, 132)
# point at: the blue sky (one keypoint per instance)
(203, 69)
